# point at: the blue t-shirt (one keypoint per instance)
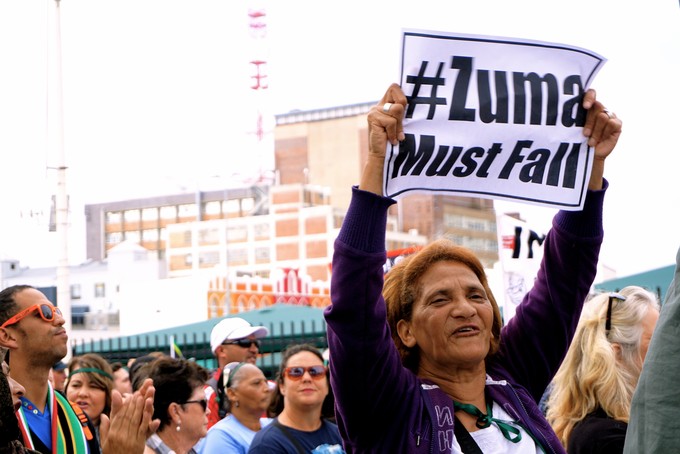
(229, 436)
(271, 440)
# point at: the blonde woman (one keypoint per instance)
(589, 404)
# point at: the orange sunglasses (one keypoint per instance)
(46, 310)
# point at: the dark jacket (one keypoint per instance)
(384, 407)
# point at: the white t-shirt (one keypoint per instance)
(492, 441)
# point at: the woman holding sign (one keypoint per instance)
(419, 360)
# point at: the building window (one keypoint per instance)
(132, 236)
(231, 206)
(237, 256)
(262, 255)
(75, 291)
(150, 214)
(208, 236)
(261, 231)
(213, 208)
(113, 217)
(237, 234)
(150, 235)
(169, 212)
(132, 216)
(209, 258)
(187, 211)
(99, 290)
(247, 204)
(114, 237)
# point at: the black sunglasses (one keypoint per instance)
(608, 319)
(244, 343)
(202, 402)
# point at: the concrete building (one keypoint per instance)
(144, 220)
(319, 148)
(329, 146)
(95, 285)
(200, 269)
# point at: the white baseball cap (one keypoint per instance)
(234, 328)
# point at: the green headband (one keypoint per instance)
(90, 369)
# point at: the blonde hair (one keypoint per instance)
(593, 374)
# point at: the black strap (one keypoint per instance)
(290, 436)
(468, 445)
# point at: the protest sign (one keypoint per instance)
(494, 118)
(520, 252)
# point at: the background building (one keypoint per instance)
(322, 148)
(329, 146)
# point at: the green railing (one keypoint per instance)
(196, 345)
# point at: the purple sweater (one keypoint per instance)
(383, 407)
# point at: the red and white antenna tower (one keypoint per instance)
(260, 83)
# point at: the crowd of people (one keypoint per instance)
(155, 403)
(420, 359)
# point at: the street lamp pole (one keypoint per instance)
(55, 143)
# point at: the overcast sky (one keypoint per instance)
(157, 98)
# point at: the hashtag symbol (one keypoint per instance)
(420, 80)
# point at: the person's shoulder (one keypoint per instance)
(597, 433)
(223, 426)
(268, 440)
(332, 430)
(266, 434)
(329, 426)
(598, 421)
(220, 435)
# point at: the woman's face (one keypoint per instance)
(17, 389)
(194, 416)
(452, 318)
(648, 325)
(307, 392)
(90, 397)
(251, 391)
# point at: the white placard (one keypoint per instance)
(493, 117)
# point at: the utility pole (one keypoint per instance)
(56, 153)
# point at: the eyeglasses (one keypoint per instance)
(296, 373)
(244, 343)
(47, 312)
(608, 319)
(202, 402)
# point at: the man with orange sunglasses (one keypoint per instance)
(32, 329)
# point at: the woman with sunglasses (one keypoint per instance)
(302, 389)
(248, 396)
(179, 404)
(589, 404)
